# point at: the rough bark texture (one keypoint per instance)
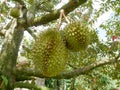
(70, 74)
(9, 52)
(55, 14)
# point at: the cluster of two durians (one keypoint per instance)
(50, 50)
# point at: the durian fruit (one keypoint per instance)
(15, 12)
(49, 53)
(76, 36)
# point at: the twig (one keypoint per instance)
(60, 18)
(63, 13)
(31, 33)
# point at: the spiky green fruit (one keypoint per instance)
(49, 53)
(15, 12)
(77, 36)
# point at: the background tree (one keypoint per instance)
(96, 68)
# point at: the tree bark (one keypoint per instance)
(54, 15)
(9, 53)
(73, 73)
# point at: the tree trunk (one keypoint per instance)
(9, 53)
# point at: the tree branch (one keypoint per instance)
(55, 14)
(23, 78)
(31, 33)
(71, 74)
(2, 33)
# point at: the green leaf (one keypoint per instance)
(4, 79)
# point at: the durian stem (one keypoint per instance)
(67, 20)
(60, 18)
